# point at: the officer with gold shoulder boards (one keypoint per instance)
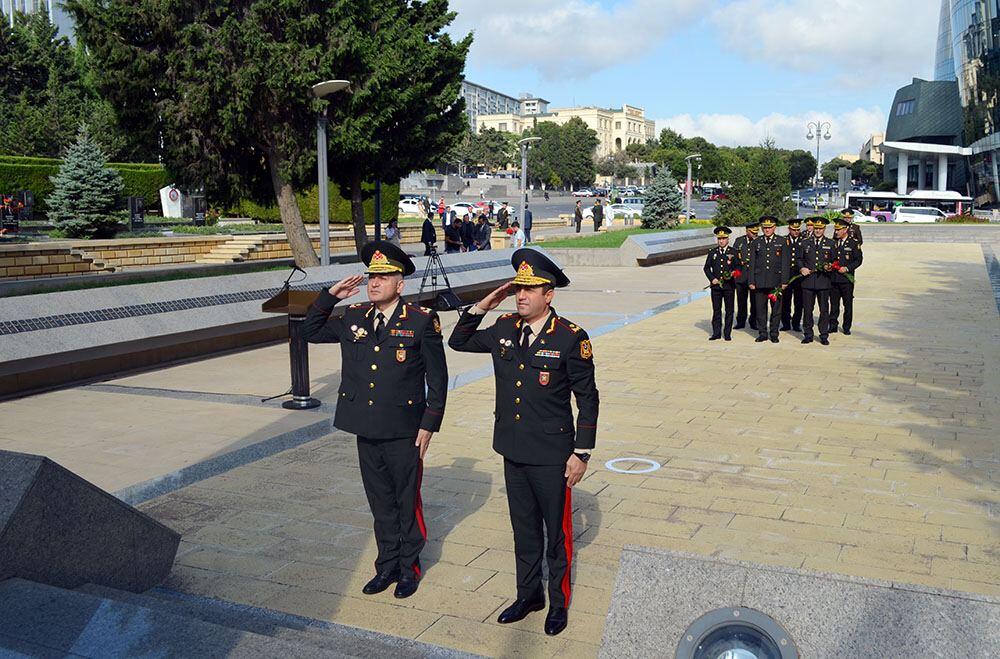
(539, 359)
(848, 255)
(720, 263)
(742, 247)
(389, 351)
(853, 230)
(817, 256)
(793, 294)
(768, 271)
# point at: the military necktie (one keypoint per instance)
(525, 337)
(379, 325)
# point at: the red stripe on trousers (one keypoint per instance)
(419, 505)
(568, 543)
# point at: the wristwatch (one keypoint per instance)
(584, 457)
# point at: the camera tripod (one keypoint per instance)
(446, 300)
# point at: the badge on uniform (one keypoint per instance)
(586, 350)
(543, 378)
(401, 355)
(437, 325)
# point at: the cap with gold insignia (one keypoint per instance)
(753, 225)
(384, 258)
(722, 232)
(768, 221)
(795, 223)
(847, 214)
(818, 221)
(536, 269)
(841, 223)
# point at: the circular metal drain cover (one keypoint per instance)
(735, 633)
(610, 465)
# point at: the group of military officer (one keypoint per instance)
(784, 277)
(392, 396)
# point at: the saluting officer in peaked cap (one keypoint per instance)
(539, 360)
(391, 353)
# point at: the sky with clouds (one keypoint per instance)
(732, 71)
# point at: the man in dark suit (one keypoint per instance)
(719, 266)
(428, 235)
(389, 351)
(769, 265)
(742, 247)
(578, 215)
(817, 255)
(526, 224)
(539, 359)
(848, 254)
(503, 216)
(793, 295)
(598, 214)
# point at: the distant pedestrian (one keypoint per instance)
(517, 237)
(442, 210)
(491, 210)
(428, 236)
(503, 216)
(484, 232)
(578, 215)
(527, 224)
(453, 237)
(392, 232)
(468, 233)
(598, 214)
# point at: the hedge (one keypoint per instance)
(340, 208)
(140, 179)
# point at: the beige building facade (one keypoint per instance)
(615, 128)
(872, 149)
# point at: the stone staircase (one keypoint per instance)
(94, 621)
(236, 250)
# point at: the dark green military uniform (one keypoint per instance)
(384, 369)
(720, 264)
(791, 307)
(817, 255)
(853, 230)
(534, 429)
(848, 254)
(742, 247)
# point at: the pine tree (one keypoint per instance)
(663, 202)
(86, 193)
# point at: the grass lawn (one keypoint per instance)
(610, 239)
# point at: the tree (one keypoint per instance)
(830, 170)
(493, 148)
(618, 166)
(225, 86)
(47, 93)
(801, 168)
(86, 194)
(663, 202)
(758, 186)
(565, 156)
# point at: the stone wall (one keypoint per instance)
(150, 251)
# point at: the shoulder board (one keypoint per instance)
(355, 306)
(572, 327)
(416, 307)
(507, 315)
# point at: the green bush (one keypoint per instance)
(228, 229)
(340, 208)
(966, 218)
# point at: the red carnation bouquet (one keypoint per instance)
(726, 275)
(776, 294)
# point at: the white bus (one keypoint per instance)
(879, 206)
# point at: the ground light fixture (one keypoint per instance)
(735, 633)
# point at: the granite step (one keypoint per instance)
(346, 641)
(42, 620)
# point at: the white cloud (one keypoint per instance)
(568, 39)
(867, 42)
(848, 131)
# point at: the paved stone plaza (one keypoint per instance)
(875, 456)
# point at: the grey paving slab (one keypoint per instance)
(659, 593)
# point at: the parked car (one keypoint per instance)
(462, 207)
(918, 214)
(583, 192)
(411, 205)
(611, 211)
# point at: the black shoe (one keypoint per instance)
(761, 339)
(714, 337)
(406, 587)
(808, 339)
(520, 609)
(728, 338)
(739, 326)
(796, 328)
(380, 582)
(556, 620)
(784, 327)
(774, 339)
(846, 331)
(824, 341)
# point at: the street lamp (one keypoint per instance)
(322, 90)
(524, 145)
(687, 189)
(819, 127)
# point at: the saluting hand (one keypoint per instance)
(575, 468)
(346, 287)
(493, 300)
